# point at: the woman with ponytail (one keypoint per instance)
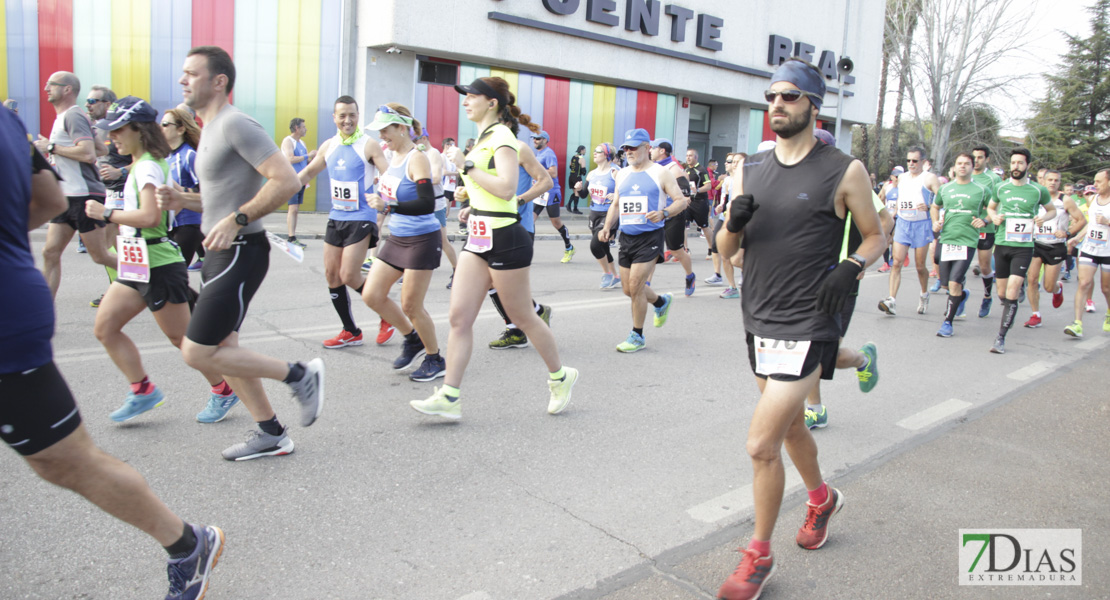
(498, 251)
(600, 185)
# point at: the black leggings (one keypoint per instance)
(189, 239)
(599, 248)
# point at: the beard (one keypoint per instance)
(1016, 174)
(793, 125)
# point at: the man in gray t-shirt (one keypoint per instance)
(243, 178)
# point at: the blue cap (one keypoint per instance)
(635, 138)
(805, 77)
(129, 109)
(661, 141)
(823, 135)
(542, 134)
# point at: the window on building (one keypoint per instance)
(438, 73)
(699, 118)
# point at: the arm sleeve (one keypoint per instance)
(425, 203)
(684, 185)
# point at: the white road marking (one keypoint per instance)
(476, 596)
(1092, 344)
(1032, 371)
(737, 501)
(933, 414)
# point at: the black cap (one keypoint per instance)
(129, 109)
(481, 88)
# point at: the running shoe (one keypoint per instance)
(906, 262)
(568, 254)
(309, 391)
(510, 338)
(295, 242)
(961, 312)
(815, 531)
(560, 391)
(1021, 293)
(81, 249)
(197, 265)
(616, 282)
(888, 306)
(714, 279)
(1106, 323)
(945, 330)
(999, 346)
(817, 420)
(1090, 306)
(933, 273)
(1075, 329)
(439, 404)
(985, 307)
(545, 314)
(634, 343)
(410, 353)
(432, 368)
(1034, 321)
(137, 404)
(975, 270)
(369, 262)
(96, 303)
(606, 281)
(1058, 295)
(667, 257)
(730, 293)
(189, 575)
(885, 268)
(344, 339)
(690, 284)
(451, 281)
(923, 303)
(1066, 276)
(662, 312)
(935, 287)
(385, 332)
(869, 375)
(747, 581)
(217, 408)
(259, 444)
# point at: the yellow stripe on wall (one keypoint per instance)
(131, 48)
(3, 54)
(604, 115)
(298, 71)
(510, 76)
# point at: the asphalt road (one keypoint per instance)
(641, 489)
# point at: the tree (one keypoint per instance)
(1071, 128)
(909, 24)
(977, 125)
(895, 23)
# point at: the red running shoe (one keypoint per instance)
(907, 262)
(815, 532)
(747, 581)
(385, 332)
(1058, 295)
(344, 339)
(885, 268)
(1034, 321)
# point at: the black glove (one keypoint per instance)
(837, 287)
(740, 211)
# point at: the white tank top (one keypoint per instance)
(1097, 242)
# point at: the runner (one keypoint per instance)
(552, 198)
(889, 195)
(1050, 247)
(236, 156)
(1015, 208)
(965, 204)
(439, 176)
(414, 246)
(913, 229)
(987, 178)
(697, 212)
(40, 418)
(722, 264)
(639, 208)
(183, 136)
(674, 230)
(600, 186)
(299, 156)
(796, 317)
(111, 166)
(1094, 255)
(353, 161)
(498, 251)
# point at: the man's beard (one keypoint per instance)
(793, 125)
(1017, 175)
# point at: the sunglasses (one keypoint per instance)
(91, 101)
(913, 160)
(171, 124)
(788, 96)
(55, 83)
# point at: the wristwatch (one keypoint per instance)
(107, 218)
(467, 166)
(241, 219)
(861, 260)
(50, 147)
(666, 215)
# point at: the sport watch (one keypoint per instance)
(467, 166)
(107, 218)
(241, 219)
(861, 260)
(50, 147)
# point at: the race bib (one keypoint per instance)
(480, 234)
(1097, 235)
(778, 357)
(950, 252)
(1047, 232)
(1019, 231)
(633, 210)
(598, 194)
(542, 199)
(344, 195)
(291, 250)
(114, 200)
(133, 263)
(906, 209)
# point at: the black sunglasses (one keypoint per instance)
(913, 160)
(171, 123)
(788, 96)
(91, 101)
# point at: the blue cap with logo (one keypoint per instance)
(129, 109)
(542, 134)
(635, 138)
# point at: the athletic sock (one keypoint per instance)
(296, 373)
(184, 545)
(143, 387)
(988, 283)
(412, 337)
(271, 426)
(659, 302)
(559, 375)
(566, 236)
(820, 495)
(536, 306)
(638, 331)
(953, 306)
(341, 300)
(817, 408)
(451, 392)
(222, 389)
(500, 309)
(763, 547)
(866, 363)
(1009, 311)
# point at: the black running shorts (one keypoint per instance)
(641, 248)
(348, 233)
(229, 280)
(821, 354)
(169, 284)
(1011, 260)
(36, 409)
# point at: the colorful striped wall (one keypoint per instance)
(571, 111)
(284, 53)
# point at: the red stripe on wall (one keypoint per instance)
(55, 51)
(443, 113)
(767, 133)
(214, 24)
(646, 104)
(556, 117)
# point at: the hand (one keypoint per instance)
(654, 216)
(977, 222)
(922, 207)
(42, 143)
(611, 197)
(1072, 243)
(1038, 221)
(837, 287)
(461, 195)
(110, 173)
(603, 236)
(455, 155)
(221, 236)
(94, 210)
(578, 186)
(311, 155)
(169, 198)
(937, 225)
(740, 211)
(375, 201)
(464, 214)
(997, 220)
(1061, 234)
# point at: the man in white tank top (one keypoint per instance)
(913, 230)
(1050, 247)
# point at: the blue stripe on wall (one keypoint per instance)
(23, 60)
(329, 90)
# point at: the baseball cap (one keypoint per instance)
(660, 142)
(480, 88)
(766, 145)
(897, 171)
(542, 134)
(823, 135)
(1087, 191)
(129, 109)
(635, 138)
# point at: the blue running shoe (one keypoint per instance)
(945, 330)
(985, 307)
(189, 575)
(196, 266)
(634, 343)
(218, 407)
(410, 353)
(961, 313)
(432, 368)
(936, 287)
(662, 312)
(137, 404)
(606, 281)
(690, 284)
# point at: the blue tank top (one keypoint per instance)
(299, 149)
(600, 185)
(183, 169)
(639, 193)
(396, 186)
(351, 179)
(527, 217)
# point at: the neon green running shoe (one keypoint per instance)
(1076, 329)
(661, 313)
(634, 343)
(869, 375)
(560, 391)
(1106, 323)
(815, 420)
(439, 404)
(567, 255)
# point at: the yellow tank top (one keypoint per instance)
(492, 139)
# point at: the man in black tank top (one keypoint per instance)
(788, 211)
